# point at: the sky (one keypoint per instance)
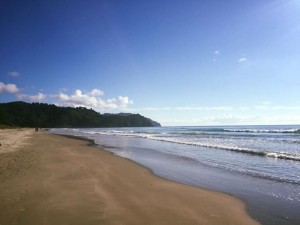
(196, 62)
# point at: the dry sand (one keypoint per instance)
(12, 139)
(59, 180)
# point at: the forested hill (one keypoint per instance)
(21, 114)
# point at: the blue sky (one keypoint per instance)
(178, 62)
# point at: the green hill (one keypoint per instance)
(22, 114)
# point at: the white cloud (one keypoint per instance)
(13, 74)
(40, 97)
(92, 100)
(10, 88)
(242, 59)
(124, 101)
(217, 52)
(96, 92)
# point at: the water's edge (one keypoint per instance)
(251, 210)
(269, 186)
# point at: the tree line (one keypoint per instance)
(22, 114)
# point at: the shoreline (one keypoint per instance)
(98, 187)
(250, 209)
(91, 143)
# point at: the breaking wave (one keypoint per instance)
(272, 131)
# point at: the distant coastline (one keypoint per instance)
(22, 114)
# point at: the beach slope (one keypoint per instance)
(59, 180)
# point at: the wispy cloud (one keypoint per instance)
(13, 74)
(224, 119)
(148, 109)
(10, 88)
(277, 107)
(232, 119)
(269, 106)
(183, 108)
(201, 108)
(217, 52)
(265, 113)
(263, 119)
(243, 108)
(242, 59)
(264, 106)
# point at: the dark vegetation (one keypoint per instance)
(21, 114)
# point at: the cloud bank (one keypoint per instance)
(93, 100)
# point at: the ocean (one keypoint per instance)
(259, 164)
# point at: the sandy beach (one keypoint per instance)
(50, 179)
(12, 139)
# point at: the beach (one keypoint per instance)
(52, 179)
(258, 164)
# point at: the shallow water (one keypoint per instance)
(260, 164)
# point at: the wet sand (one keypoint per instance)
(58, 180)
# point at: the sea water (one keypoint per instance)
(259, 164)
